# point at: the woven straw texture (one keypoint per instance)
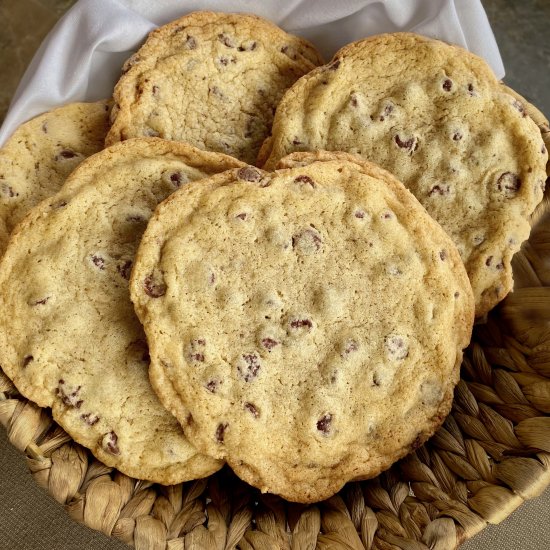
(491, 454)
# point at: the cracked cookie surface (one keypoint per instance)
(38, 157)
(436, 117)
(210, 79)
(69, 337)
(310, 321)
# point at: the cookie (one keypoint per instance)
(437, 118)
(69, 338)
(311, 321)
(40, 155)
(210, 79)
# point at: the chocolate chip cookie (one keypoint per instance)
(40, 155)
(310, 321)
(69, 338)
(210, 79)
(436, 117)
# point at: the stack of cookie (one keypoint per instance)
(302, 319)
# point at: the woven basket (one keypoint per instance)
(492, 453)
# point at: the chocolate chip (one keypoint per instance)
(334, 65)
(69, 398)
(353, 100)
(110, 443)
(196, 351)
(226, 40)
(98, 261)
(190, 42)
(177, 178)
(457, 294)
(440, 189)
(447, 85)
(359, 214)
(307, 241)
(289, 52)
(248, 366)
(125, 269)
(45, 127)
(269, 343)
(248, 47)
(242, 216)
(457, 136)
(154, 286)
(471, 89)
(252, 409)
(489, 261)
(296, 141)
(155, 90)
(249, 173)
(508, 183)
(212, 385)
(324, 424)
(220, 432)
(499, 266)
(410, 144)
(443, 255)
(40, 302)
(387, 215)
(27, 359)
(90, 419)
(66, 154)
(396, 347)
(304, 179)
(376, 379)
(301, 323)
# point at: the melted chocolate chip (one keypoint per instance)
(153, 286)
(252, 409)
(249, 366)
(66, 154)
(440, 189)
(190, 42)
(508, 183)
(324, 424)
(410, 144)
(249, 173)
(447, 85)
(304, 179)
(350, 346)
(69, 398)
(307, 241)
(110, 443)
(301, 323)
(177, 179)
(226, 40)
(212, 386)
(125, 269)
(269, 343)
(90, 419)
(396, 347)
(7, 191)
(98, 261)
(220, 432)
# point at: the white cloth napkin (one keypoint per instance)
(80, 59)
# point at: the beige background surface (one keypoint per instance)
(29, 518)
